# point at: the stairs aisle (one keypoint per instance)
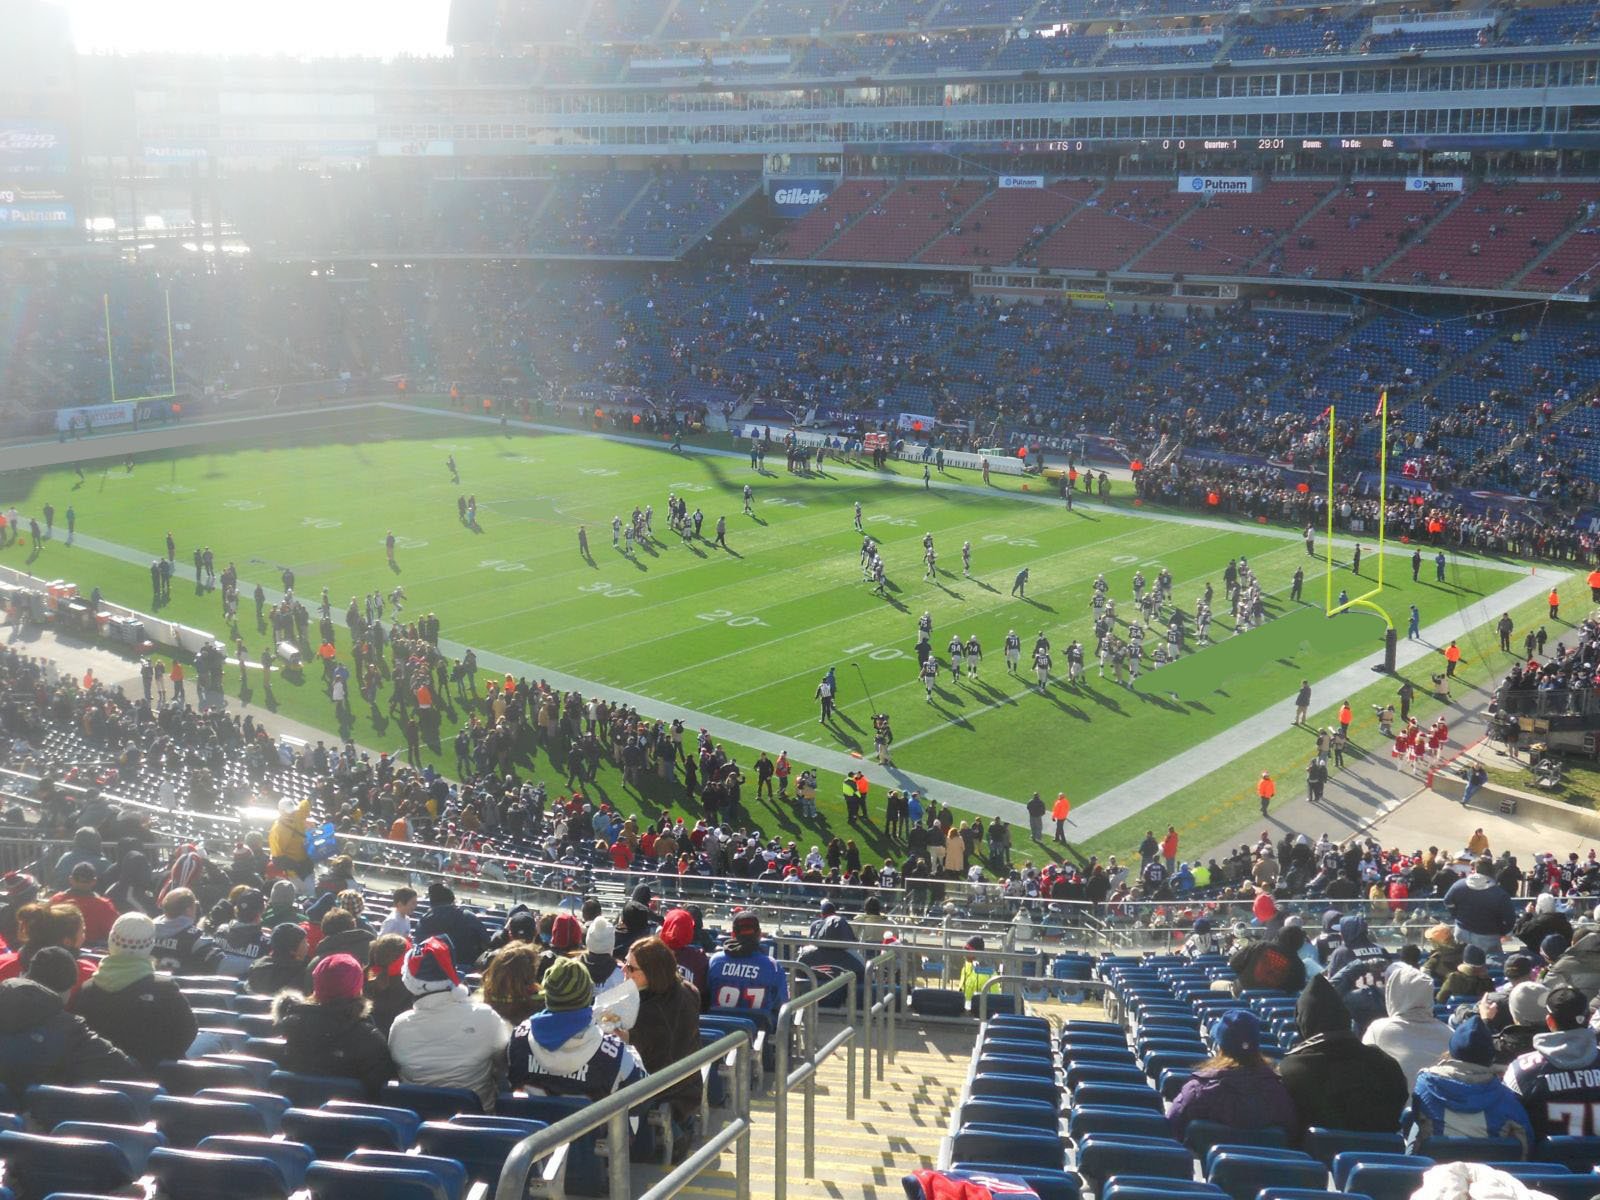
(898, 1130)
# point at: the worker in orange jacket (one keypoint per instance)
(1452, 656)
(1555, 604)
(1266, 789)
(1059, 813)
(1594, 585)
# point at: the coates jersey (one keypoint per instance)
(1561, 1094)
(752, 981)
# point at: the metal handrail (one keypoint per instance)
(806, 1073)
(878, 1018)
(612, 1111)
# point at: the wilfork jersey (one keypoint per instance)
(752, 981)
(1560, 1099)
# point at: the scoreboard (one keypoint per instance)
(37, 178)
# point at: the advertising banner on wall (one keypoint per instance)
(1435, 183)
(1022, 181)
(796, 197)
(1217, 185)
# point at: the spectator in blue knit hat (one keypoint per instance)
(1236, 1087)
(1463, 1096)
(447, 1039)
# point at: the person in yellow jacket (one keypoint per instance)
(974, 974)
(286, 841)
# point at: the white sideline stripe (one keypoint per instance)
(1109, 808)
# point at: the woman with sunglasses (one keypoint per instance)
(667, 1029)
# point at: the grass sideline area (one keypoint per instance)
(744, 632)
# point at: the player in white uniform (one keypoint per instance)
(627, 541)
(974, 656)
(1013, 650)
(749, 499)
(1041, 667)
(649, 515)
(930, 672)
(966, 559)
(931, 559)
(1075, 661)
(616, 531)
(859, 528)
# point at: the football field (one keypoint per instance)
(744, 633)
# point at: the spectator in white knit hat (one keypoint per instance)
(126, 1002)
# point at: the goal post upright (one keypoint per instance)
(1365, 600)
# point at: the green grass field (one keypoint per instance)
(742, 633)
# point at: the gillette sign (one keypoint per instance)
(797, 197)
(1217, 185)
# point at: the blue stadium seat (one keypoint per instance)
(1026, 1114)
(205, 1175)
(269, 1048)
(185, 1077)
(1580, 1154)
(1347, 1161)
(356, 1181)
(38, 1164)
(1024, 1149)
(1016, 1064)
(256, 1025)
(308, 1091)
(1470, 1149)
(448, 1171)
(1015, 1021)
(483, 1152)
(260, 1068)
(187, 1119)
(1242, 1174)
(1384, 1181)
(1324, 1144)
(1202, 1135)
(1093, 1072)
(271, 1105)
(248, 1002)
(335, 1134)
(49, 1106)
(1106, 1056)
(1158, 1061)
(140, 1091)
(1027, 1047)
(1136, 1122)
(1102, 1155)
(1117, 1094)
(1023, 1087)
(1532, 1170)
(1050, 1185)
(432, 1103)
(404, 1119)
(1572, 1186)
(991, 1004)
(1094, 1038)
(585, 1172)
(292, 1158)
(135, 1141)
(1283, 1193)
(1154, 1187)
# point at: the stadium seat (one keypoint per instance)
(1522, 1169)
(1470, 1149)
(1242, 1174)
(187, 1119)
(1015, 1021)
(1047, 1184)
(38, 1164)
(404, 1119)
(1385, 1180)
(1081, 1072)
(271, 1105)
(1323, 1144)
(1347, 1161)
(1085, 1119)
(1102, 1156)
(1156, 1187)
(49, 1106)
(448, 1171)
(333, 1135)
(1580, 1154)
(1571, 1186)
(1024, 1114)
(308, 1091)
(188, 1076)
(1202, 1135)
(1023, 1087)
(1028, 1047)
(357, 1181)
(292, 1158)
(432, 1103)
(140, 1091)
(205, 1175)
(1117, 1095)
(995, 1145)
(260, 1068)
(135, 1141)
(482, 1151)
